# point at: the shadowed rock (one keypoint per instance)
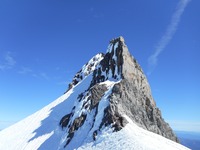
(78, 122)
(97, 93)
(65, 120)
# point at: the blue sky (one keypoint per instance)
(43, 43)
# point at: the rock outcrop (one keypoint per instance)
(87, 69)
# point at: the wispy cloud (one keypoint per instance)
(40, 75)
(7, 62)
(171, 29)
(57, 78)
(35, 74)
(25, 70)
(63, 83)
(44, 75)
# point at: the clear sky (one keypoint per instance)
(43, 43)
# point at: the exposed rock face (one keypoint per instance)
(113, 117)
(138, 106)
(128, 94)
(65, 120)
(77, 123)
(89, 101)
(97, 93)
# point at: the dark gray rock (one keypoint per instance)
(97, 93)
(112, 117)
(77, 123)
(65, 120)
(94, 135)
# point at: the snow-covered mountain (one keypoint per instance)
(108, 105)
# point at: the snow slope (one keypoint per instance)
(41, 130)
(131, 137)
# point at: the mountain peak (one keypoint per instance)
(114, 43)
(110, 96)
(120, 38)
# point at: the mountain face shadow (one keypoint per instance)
(50, 125)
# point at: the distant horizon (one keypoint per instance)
(186, 131)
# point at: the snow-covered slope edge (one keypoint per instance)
(41, 130)
(131, 137)
(43, 126)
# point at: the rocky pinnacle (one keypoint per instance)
(130, 95)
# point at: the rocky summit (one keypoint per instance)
(108, 105)
(130, 95)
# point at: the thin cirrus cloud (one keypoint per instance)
(29, 71)
(25, 70)
(166, 38)
(8, 62)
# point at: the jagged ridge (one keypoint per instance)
(87, 69)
